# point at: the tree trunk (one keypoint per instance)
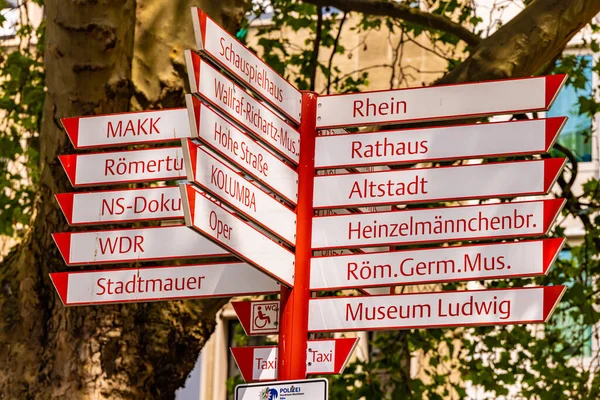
(113, 351)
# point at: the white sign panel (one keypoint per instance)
(127, 128)
(158, 203)
(236, 235)
(440, 143)
(436, 184)
(165, 163)
(232, 188)
(309, 389)
(243, 108)
(245, 65)
(433, 310)
(519, 219)
(241, 150)
(128, 245)
(440, 102)
(161, 283)
(445, 264)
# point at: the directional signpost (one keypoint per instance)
(323, 357)
(250, 151)
(160, 283)
(127, 128)
(434, 310)
(112, 206)
(124, 166)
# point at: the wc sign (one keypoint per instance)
(264, 317)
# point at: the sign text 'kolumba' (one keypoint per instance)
(163, 163)
(236, 235)
(488, 221)
(323, 357)
(439, 102)
(240, 149)
(260, 121)
(127, 128)
(446, 264)
(436, 184)
(431, 310)
(128, 245)
(127, 205)
(223, 48)
(205, 170)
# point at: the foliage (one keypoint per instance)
(21, 102)
(549, 362)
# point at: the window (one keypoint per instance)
(576, 135)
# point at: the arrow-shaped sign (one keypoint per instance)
(434, 310)
(230, 186)
(160, 283)
(234, 234)
(241, 150)
(129, 245)
(164, 163)
(234, 101)
(488, 221)
(110, 206)
(323, 357)
(497, 139)
(444, 264)
(508, 179)
(258, 317)
(466, 100)
(223, 48)
(127, 128)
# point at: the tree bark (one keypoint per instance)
(141, 351)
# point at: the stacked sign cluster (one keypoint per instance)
(240, 149)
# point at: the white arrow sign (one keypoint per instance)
(161, 283)
(323, 357)
(434, 310)
(238, 148)
(127, 128)
(446, 264)
(243, 108)
(236, 235)
(233, 189)
(128, 245)
(158, 203)
(437, 184)
(509, 96)
(223, 48)
(164, 163)
(436, 144)
(489, 221)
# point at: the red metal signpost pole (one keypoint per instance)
(293, 332)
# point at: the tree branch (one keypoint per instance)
(401, 11)
(314, 61)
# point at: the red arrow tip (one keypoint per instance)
(552, 208)
(71, 126)
(69, 163)
(63, 242)
(65, 201)
(60, 280)
(195, 58)
(242, 310)
(192, 150)
(343, 350)
(550, 250)
(553, 84)
(244, 358)
(552, 295)
(552, 168)
(191, 197)
(553, 128)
